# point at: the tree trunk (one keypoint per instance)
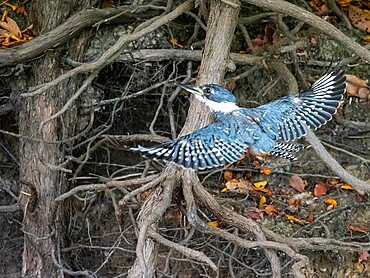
(42, 183)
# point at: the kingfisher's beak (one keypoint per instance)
(196, 90)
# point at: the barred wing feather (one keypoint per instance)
(294, 115)
(207, 147)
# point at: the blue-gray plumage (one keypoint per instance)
(265, 129)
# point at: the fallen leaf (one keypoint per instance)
(11, 26)
(363, 255)
(358, 229)
(357, 87)
(333, 182)
(346, 186)
(231, 85)
(21, 10)
(228, 175)
(343, 3)
(297, 183)
(253, 213)
(271, 210)
(13, 7)
(256, 164)
(214, 223)
(262, 203)
(310, 217)
(260, 186)
(241, 185)
(359, 18)
(293, 219)
(294, 202)
(175, 42)
(332, 204)
(320, 189)
(265, 170)
(364, 93)
(4, 15)
(366, 39)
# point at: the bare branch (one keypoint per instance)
(188, 252)
(314, 21)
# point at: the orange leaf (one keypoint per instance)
(4, 15)
(11, 6)
(228, 175)
(292, 219)
(357, 229)
(320, 189)
(343, 3)
(214, 223)
(262, 203)
(265, 170)
(333, 182)
(294, 202)
(346, 186)
(271, 210)
(175, 42)
(231, 85)
(331, 203)
(21, 10)
(297, 183)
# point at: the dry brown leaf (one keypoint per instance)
(271, 210)
(357, 87)
(241, 185)
(320, 189)
(107, 4)
(359, 18)
(12, 27)
(297, 183)
(228, 175)
(294, 202)
(359, 229)
(310, 217)
(21, 10)
(253, 213)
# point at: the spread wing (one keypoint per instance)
(208, 147)
(293, 115)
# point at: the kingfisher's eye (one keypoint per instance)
(206, 91)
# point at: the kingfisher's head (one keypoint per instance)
(216, 97)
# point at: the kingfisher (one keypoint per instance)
(267, 129)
